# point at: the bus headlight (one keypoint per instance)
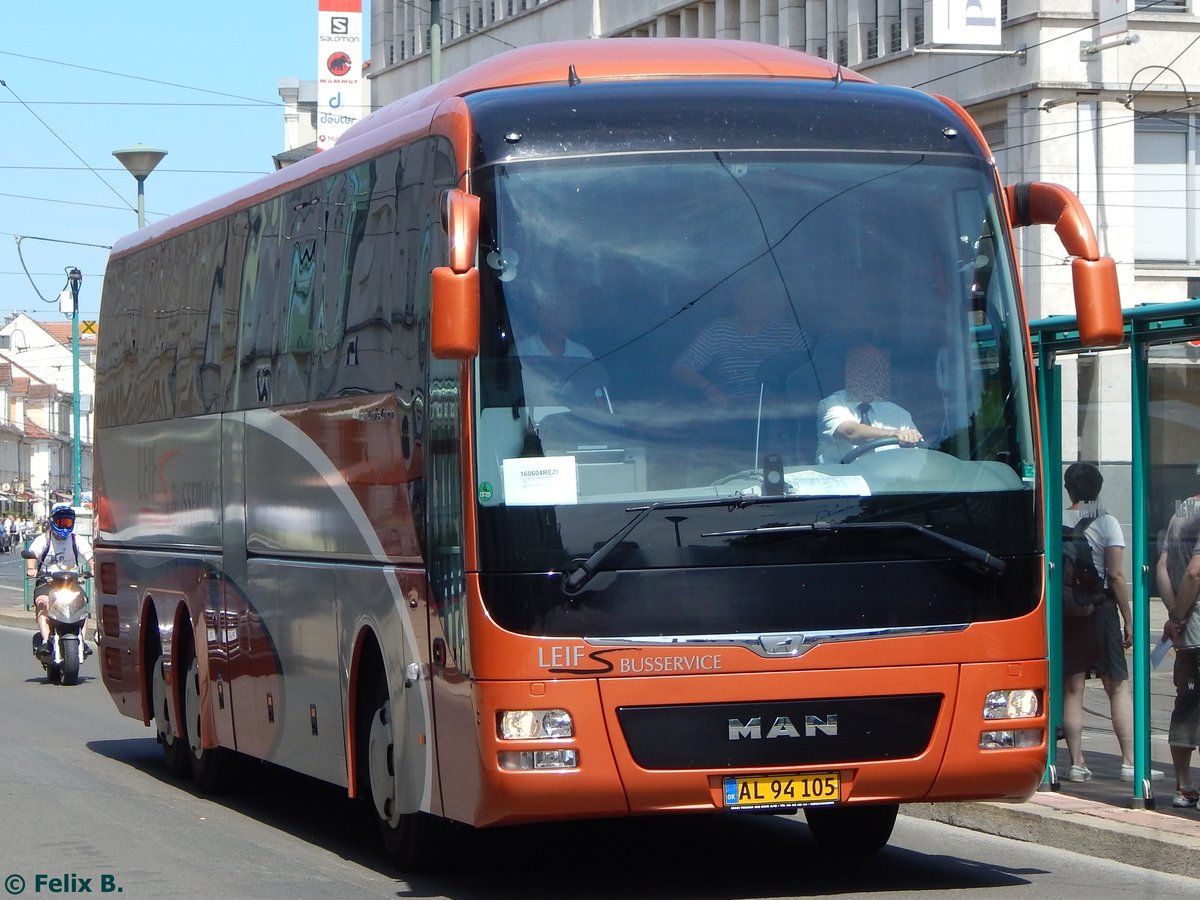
(1022, 703)
(534, 724)
(1018, 704)
(527, 760)
(1004, 740)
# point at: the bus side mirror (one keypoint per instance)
(454, 325)
(1097, 302)
(454, 314)
(460, 219)
(1094, 278)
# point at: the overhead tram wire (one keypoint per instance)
(247, 105)
(186, 87)
(70, 149)
(22, 237)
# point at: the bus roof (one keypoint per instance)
(613, 59)
(606, 59)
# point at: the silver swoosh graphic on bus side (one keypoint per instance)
(297, 441)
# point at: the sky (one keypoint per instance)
(82, 79)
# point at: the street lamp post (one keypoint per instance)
(140, 161)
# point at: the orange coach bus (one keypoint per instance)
(492, 464)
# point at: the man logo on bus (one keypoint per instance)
(339, 64)
(782, 727)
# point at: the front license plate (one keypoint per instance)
(782, 790)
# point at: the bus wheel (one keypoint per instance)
(208, 766)
(411, 839)
(173, 747)
(852, 829)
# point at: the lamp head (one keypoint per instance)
(140, 160)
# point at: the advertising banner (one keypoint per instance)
(340, 55)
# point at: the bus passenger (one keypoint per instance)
(554, 321)
(723, 360)
(862, 412)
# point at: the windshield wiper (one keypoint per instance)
(580, 571)
(978, 558)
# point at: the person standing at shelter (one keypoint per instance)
(1178, 576)
(1096, 643)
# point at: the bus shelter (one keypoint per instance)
(1134, 412)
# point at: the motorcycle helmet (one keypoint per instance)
(62, 520)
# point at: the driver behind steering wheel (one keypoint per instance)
(861, 412)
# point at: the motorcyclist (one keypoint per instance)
(58, 544)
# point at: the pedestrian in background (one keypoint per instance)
(1095, 644)
(1178, 576)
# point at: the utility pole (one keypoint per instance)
(75, 277)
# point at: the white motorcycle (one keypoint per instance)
(68, 610)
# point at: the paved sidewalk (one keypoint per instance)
(1095, 818)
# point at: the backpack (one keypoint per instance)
(1082, 585)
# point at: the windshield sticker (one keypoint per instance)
(540, 481)
(810, 483)
(485, 491)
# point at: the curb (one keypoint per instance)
(17, 619)
(1141, 838)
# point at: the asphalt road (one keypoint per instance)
(84, 795)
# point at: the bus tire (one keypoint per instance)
(173, 747)
(413, 840)
(852, 830)
(209, 766)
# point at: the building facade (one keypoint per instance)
(37, 401)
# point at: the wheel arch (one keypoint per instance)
(158, 641)
(366, 668)
(151, 645)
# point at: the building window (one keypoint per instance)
(1164, 163)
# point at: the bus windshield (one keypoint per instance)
(668, 326)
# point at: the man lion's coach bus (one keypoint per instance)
(480, 464)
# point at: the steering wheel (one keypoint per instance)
(870, 447)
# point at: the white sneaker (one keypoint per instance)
(1127, 773)
(1079, 773)
(1185, 798)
